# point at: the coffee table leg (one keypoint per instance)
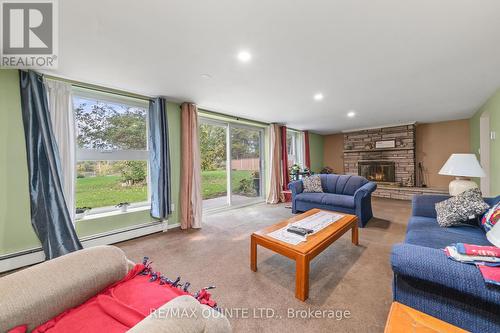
(302, 278)
(355, 234)
(253, 254)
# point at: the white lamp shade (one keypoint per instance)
(462, 165)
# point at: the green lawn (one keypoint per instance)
(214, 183)
(107, 191)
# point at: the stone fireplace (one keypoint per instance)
(394, 164)
(382, 171)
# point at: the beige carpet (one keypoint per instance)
(343, 278)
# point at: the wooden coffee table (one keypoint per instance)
(304, 252)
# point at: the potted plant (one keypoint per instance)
(295, 171)
(80, 212)
(123, 206)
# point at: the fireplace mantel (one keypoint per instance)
(375, 149)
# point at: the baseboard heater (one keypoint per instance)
(28, 257)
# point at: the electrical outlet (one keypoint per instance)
(172, 207)
(493, 135)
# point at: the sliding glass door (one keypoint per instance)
(231, 163)
(213, 142)
(246, 162)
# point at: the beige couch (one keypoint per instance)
(36, 294)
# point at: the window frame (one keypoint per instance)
(228, 125)
(83, 154)
(298, 143)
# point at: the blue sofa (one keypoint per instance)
(342, 193)
(426, 280)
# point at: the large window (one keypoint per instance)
(112, 151)
(295, 147)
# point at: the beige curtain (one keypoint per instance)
(275, 195)
(190, 202)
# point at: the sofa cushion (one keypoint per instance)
(338, 200)
(342, 184)
(184, 314)
(424, 231)
(310, 197)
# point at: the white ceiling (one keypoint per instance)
(390, 60)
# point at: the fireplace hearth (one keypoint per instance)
(381, 171)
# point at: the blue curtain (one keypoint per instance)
(49, 214)
(159, 159)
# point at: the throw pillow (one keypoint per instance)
(312, 184)
(459, 209)
(491, 217)
(493, 235)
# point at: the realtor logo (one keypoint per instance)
(29, 34)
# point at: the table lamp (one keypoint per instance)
(462, 165)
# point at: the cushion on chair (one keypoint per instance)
(341, 200)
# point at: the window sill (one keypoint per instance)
(114, 213)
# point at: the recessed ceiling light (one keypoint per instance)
(244, 56)
(318, 97)
(351, 114)
(206, 76)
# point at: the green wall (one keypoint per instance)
(316, 142)
(16, 233)
(492, 106)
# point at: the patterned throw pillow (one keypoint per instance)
(493, 235)
(491, 217)
(459, 209)
(312, 184)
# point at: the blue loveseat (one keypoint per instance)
(426, 280)
(342, 193)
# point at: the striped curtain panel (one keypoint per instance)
(190, 195)
(275, 196)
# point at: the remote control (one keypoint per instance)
(299, 231)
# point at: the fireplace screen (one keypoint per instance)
(378, 171)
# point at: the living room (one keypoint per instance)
(329, 166)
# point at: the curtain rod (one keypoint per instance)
(214, 113)
(98, 88)
(208, 112)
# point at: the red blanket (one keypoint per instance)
(119, 307)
